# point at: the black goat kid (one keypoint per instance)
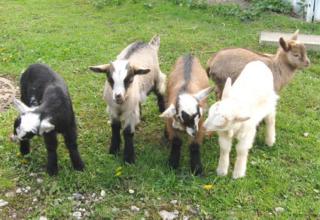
(46, 110)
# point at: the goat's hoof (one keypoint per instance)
(237, 174)
(197, 170)
(114, 151)
(24, 151)
(129, 160)
(222, 172)
(52, 171)
(79, 167)
(270, 142)
(173, 164)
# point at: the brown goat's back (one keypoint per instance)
(187, 75)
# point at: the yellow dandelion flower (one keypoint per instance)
(24, 161)
(207, 187)
(118, 173)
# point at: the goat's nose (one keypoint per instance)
(118, 96)
(307, 62)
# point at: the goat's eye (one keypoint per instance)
(296, 55)
(110, 80)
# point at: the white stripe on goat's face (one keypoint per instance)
(189, 113)
(121, 71)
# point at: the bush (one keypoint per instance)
(253, 11)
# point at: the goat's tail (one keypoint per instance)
(155, 41)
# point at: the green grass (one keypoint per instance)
(72, 35)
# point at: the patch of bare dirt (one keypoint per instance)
(7, 93)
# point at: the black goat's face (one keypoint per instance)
(28, 123)
(120, 75)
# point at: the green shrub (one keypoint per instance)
(254, 10)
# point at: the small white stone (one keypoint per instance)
(93, 195)
(135, 208)
(35, 199)
(131, 191)
(77, 196)
(77, 215)
(279, 209)
(28, 188)
(38, 192)
(146, 214)
(32, 174)
(165, 215)
(82, 209)
(39, 180)
(185, 217)
(173, 202)
(43, 218)
(18, 191)
(115, 209)
(3, 203)
(306, 134)
(103, 193)
(10, 194)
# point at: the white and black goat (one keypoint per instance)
(130, 78)
(46, 110)
(188, 88)
(243, 105)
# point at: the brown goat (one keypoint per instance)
(291, 55)
(188, 88)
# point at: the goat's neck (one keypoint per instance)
(282, 70)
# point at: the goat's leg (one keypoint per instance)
(225, 143)
(174, 158)
(161, 101)
(270, 136)
(51, 142)
(243, 148)
(25, 147)
(116, 138)
(160, 91)
(70, 140)
(129, 155)
(195, 159)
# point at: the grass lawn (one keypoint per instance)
(72, 35)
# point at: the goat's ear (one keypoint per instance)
(104, 68)
(203, 94)
(284, 44)
(227, 88)
(20, 106)
(155, 41)
(140, 71)
(45, 126)
(169, 112)
(241, 119)
(295, 35)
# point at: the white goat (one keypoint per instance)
(243, 105)
(130, 78)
